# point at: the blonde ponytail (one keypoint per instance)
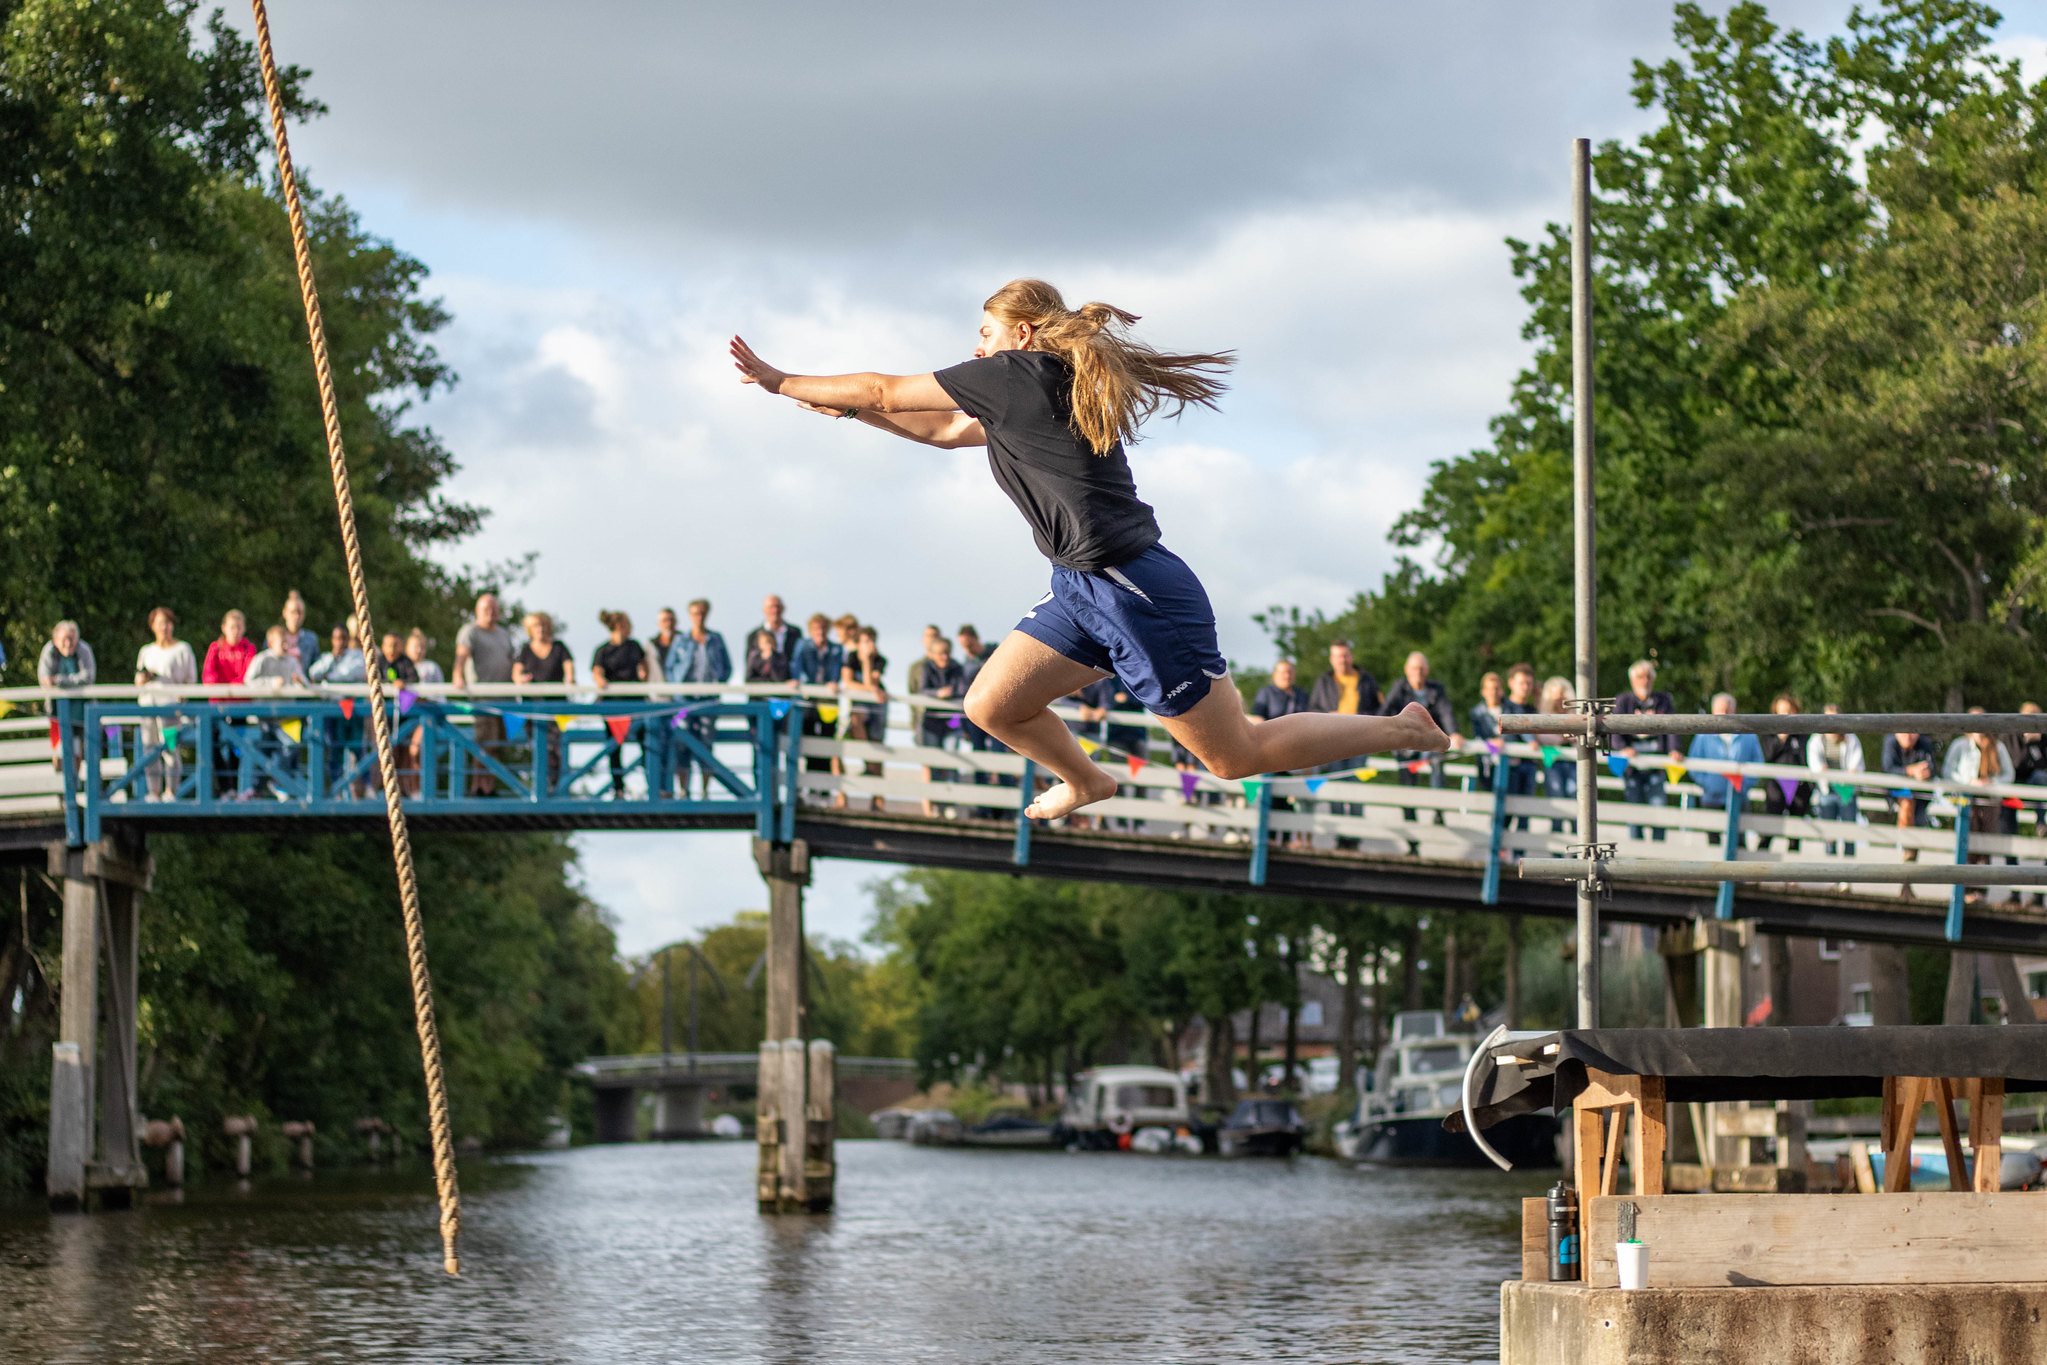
(1118, 381)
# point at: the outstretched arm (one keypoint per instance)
(868, 392)
(946, 430)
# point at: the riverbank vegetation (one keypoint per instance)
(1818, 305)
(160, 442)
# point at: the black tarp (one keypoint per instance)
(1547, 1071)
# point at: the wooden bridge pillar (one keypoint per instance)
(95, 1123)
(793, 1112)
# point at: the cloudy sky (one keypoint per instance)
(605, 192)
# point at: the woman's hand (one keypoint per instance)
(828, 412)
(753, 370)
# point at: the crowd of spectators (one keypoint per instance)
(842, 652)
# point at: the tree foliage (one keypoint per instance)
(1817, 305)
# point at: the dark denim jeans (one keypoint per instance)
(1645, 787)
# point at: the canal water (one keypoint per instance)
(654, 1253)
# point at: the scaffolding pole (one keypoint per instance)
(1673, 870)
(1584, 589)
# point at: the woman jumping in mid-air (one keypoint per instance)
(1054, 393)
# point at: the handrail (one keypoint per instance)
(1877, 723)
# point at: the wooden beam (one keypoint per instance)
(1716, 1240)
(1902, 1098)
(1652, 1140)
(1588, 1134)
(1986, 1132)
(1950, 1135)
(1609, 1173)
(1865, 1170)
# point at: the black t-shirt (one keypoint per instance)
(539, 670)
(621, 663)
(1082, 507)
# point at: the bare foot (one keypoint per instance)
(1428, 737)
(1064, 799)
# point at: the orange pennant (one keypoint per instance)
(348, 707)
(618, 725)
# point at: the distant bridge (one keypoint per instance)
(682, 1082)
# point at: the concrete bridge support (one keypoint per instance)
(679, 1112)
(794, 1117)
(617, 1113)
(95, 1121)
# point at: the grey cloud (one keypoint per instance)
(856, 127)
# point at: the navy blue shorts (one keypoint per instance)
(1147, 621)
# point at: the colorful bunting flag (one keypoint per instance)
(778, 707)
(1188, 782)
(2013, 803)
(1365, 774)
(619, 727)
(6, 708)
(955, 721)
(1787, 786)
(1617, 764)
(828, 714)
(170, 736)
(1495, 747)
(515, 725)
(564, 722)
(1315, 784)
(292, 729)
(113, 733)
(1846, 793)
(1254, 788)
(406, 697)
(680, 717)
(1736, 781)
(1675, 772)
(1089, 747)
(1416, 766)
(1135, 764)
(1549, 754)
(348, 707)
(56, 734)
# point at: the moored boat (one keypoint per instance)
(1417, 1082)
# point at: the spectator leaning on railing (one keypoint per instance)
(1522, 773)
(1714, 787)
(776, 623)
(622, 659)
(483, 654)
(417, 643)
(545, 661)
(1485, 719)
(1644, 786)
(765, 663)
(1839, 754)
(697, 656)
(66, 662)
(1908, 755)
(299, 642)
(1417, 687)
(1345, 689)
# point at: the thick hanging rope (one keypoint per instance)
(387, 762)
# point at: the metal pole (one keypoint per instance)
(1584, 592)
(667, 1034)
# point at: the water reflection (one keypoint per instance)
(655, 1253)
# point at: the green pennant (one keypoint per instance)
(170, 736)
(1549, 754)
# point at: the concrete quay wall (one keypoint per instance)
(1954, 1324)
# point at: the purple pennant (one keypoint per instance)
(1494, 747)
(954, 722)
(406, 697)
(1188, 782)
(1787, 785)
(680, 717)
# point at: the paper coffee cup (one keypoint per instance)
(1633, 1260)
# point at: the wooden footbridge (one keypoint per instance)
(88, 775)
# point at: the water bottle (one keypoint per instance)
(1563, 1232)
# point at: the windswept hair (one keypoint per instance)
(1118, 381)
(612, 620)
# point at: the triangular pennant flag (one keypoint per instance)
(680, 717)
(6, 708)
(1135, 763)
(828, 714)
(564, 722)
(348, 707)
(2013, 803)
(56, 734)
(1316, 784)
(1617, 764)
(1254, 788)
(1845, 793)
(406, 698)
(515, 725)
(1735, 780)
(1188, 782)
(1365, 774)
(619, 726)
(170, 736)
(292, 729)
(778, 707)
(1495, 747)
(1549, 754)
(1787, 786)
(1089, 747)
(113, 733)
(1761, 1013)
(1416, 766)
(1675, 772)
